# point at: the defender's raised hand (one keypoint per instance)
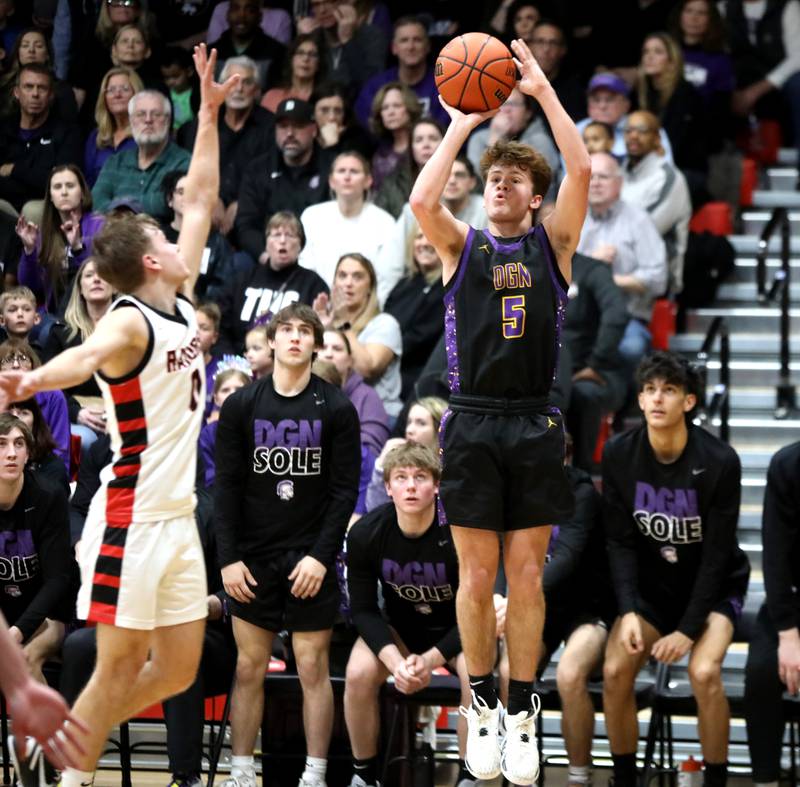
(212, 94)
(532, 79)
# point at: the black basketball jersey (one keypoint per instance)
(504, 308)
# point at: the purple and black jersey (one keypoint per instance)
(504, 308)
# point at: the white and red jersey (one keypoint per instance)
(154, 415)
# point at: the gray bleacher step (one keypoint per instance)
(747, 319)
(748, 244)
(782, 178)
(754, 221)
(787, 156)
(741, 343)
(752, 489)
(753, 371)
(756, 428)
(783, 198)
(756, 459)
(744, 269)
(746, 292)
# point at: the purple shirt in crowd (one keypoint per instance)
(371, 412)
(53, 405)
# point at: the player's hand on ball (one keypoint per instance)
(470, 119)
(532, 79)
(237, 579)
(307, 576)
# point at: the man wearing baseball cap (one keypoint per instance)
(608, 101)
(292, 175)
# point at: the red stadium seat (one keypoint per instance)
(748, 183)
(713, 217)
(662, 323)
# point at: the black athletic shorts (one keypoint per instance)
(666, 620)
(503, 471)
(274, 608)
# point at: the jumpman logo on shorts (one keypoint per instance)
(550, 422)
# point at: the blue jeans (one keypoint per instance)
(635, 343)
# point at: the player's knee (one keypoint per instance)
(525, 578)
(476, 581)
(361, 677)
(312, 669)
(570, 677)
(250, 668)
(705, 675)
(617, 673)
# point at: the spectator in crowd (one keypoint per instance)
(303, 72)
(423, 418)
(278, 551)
(131, 49)
(416, 302)
(411, 46)
(178, 74)
(18, 355)
(624, 236)
(138, 174)
(209, 318)
(458, 197)
(32, 142)
(10, 248)
(655, 184)
(51, 256)
(671, 493)
(42, 461)
(765, 47)
(275, 22)
(549, 47)
(338, 129)
(258, 352)
(425, 136)
(699, 28)
(375, 339)
(113, 133)
(276, 281)
(217, 266)
(226, 382)
(183, 23)
(18, 315)
(33, 46)
(371, 412)
(518, 19)
(773, 657)
(88, 302)
(290, 176)
(9, 30)
(395, 109)
(349, 222)
(609, 102)
(401, 636)
(517, 120)
(597, 379)
(244, 36)
(354, 50)
(598, 137)
(39, 583)
(244, 129)
(663, 90)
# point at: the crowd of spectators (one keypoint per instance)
(334, 114)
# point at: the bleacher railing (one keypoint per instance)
(779, 290)
(720, 398)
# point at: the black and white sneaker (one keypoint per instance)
(31, 769)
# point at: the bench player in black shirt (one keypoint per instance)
(505, 296)
(671, 495)
(400, 547)
(288, 458)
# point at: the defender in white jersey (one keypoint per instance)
(143, 578)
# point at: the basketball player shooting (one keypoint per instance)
(505, 296)
(142, 568)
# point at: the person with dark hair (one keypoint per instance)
(33, 141)
(773, 657)
(337, 126)
(505, 297)
(671, 494)
(51, 256)
(287, 473)
(411, 46)
(41, 458)
(399, 555)
(179, 76)
(549, 47)
(303, 71)
(278, 279)
(38, 583)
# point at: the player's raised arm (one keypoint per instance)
(565, 223)
(445, 232)
(202, 180)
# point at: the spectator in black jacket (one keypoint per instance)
(32, 142)
(291, 176)
(591, 376)
(773, 659)
(38, 583)
(254, 297)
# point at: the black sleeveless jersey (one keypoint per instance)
(504, 307)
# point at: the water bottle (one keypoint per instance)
(690, 774)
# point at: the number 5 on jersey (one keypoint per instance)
(513, 307)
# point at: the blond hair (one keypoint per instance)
(76, 315)
(654, 97)
(106, 125)
(372, 307)
(412, 455)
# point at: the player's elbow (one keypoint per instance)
(422, 204)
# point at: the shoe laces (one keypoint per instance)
(524, 726)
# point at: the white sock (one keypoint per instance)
(579, 774)
(315, 769)
(243, 764)
(74, 778)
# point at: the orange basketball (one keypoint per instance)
(475, 72)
